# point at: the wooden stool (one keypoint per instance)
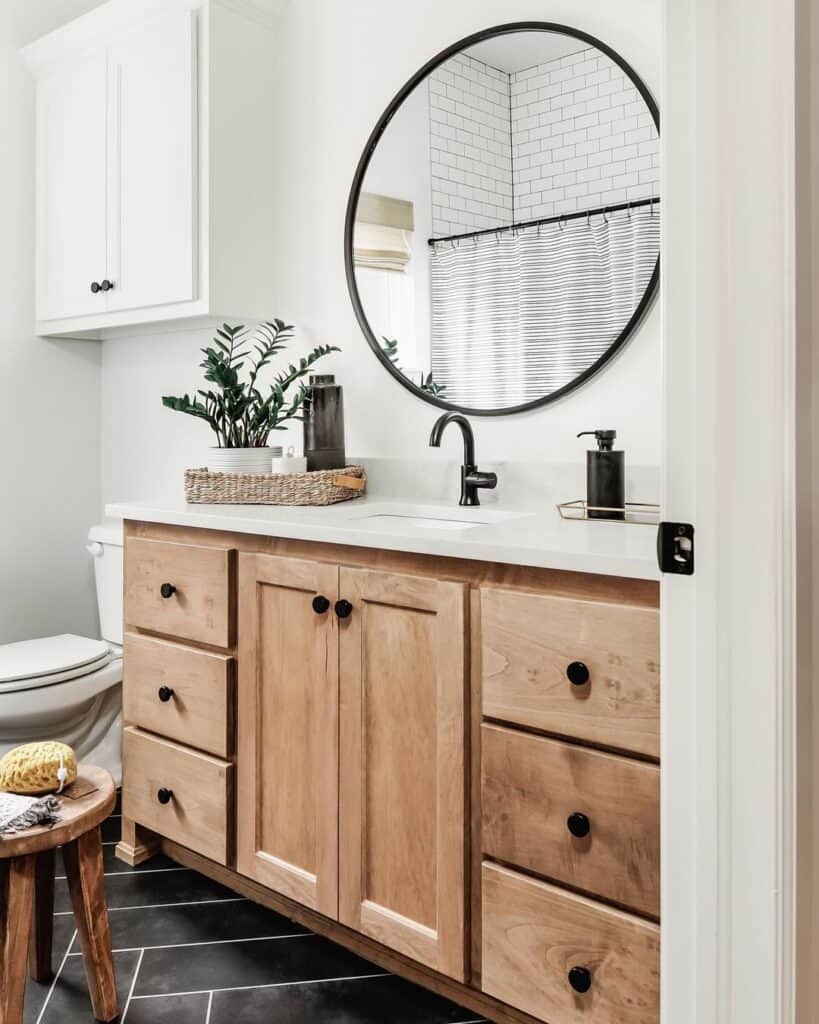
(27, 897)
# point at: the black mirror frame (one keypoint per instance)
(358, 180)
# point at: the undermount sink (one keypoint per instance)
(424, 523)
(418, 517)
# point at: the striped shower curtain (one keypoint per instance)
(515, 318)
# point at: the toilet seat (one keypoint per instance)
(31, 664)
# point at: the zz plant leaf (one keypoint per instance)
(240, 412)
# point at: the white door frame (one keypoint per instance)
(728, 632)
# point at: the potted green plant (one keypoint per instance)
(241, 411)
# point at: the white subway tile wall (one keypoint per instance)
(582, 137)
(470, 146)
(570, 134)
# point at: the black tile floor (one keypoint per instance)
(188, 951)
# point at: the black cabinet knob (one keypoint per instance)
(164, 795)
(107, 285)
(95, 287)
(167, 590)
(578, 824)
(580, 979)
(343, 609)
(165, 693)
(577, 673)
(320, 604)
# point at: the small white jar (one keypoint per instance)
(290, 463)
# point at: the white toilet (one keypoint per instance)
(69, 688)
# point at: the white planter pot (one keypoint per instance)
(241, 460)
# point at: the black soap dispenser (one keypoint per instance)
(605, 477)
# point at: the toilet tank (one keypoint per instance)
(105, 547)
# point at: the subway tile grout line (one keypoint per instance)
(133, 986)
(210, 1008)
(157, 906)
(212, 942)
(56, 978)
(275, 984)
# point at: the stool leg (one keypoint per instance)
(86, 883)
(42, 934)
(16, 908)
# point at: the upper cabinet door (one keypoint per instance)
(402, 792)
(287, 752)
(71, 189)
(153, 164)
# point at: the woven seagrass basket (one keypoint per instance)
(323, 487)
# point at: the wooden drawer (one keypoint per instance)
(198, 607)
(197, 815)
(528, 642)
(535, 934)
(531, 786)
(197, 687)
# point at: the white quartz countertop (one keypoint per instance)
(490, 533)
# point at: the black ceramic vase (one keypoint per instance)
(324, 423)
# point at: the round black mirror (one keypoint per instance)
(503, 230)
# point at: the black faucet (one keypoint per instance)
(471, 477)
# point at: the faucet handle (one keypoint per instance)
(475, 478)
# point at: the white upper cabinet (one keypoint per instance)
(152, 164)
(71, 189)
(154, 122)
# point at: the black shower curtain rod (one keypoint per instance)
(521, 225)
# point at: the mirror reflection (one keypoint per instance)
(506, 228)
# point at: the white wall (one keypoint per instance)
(49, 415)
(339, 64)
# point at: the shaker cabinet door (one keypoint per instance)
(402, 786)
(71, 189)
(287, 751)
(153, 167)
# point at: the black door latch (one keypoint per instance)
(675, 548)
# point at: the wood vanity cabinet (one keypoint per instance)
(402, 765)
(448, 766)
(351, 749)
(288, 758)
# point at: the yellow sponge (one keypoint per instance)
(35, 768)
